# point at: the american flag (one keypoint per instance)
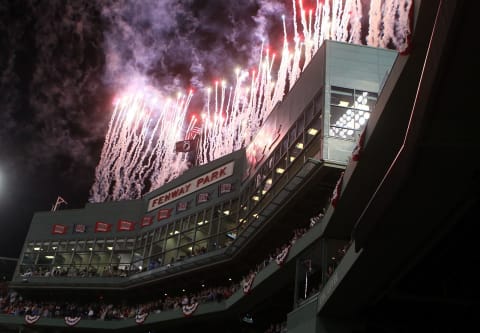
(102, 227)
(59, 229)
(164, 214)
(124, 225)
(193, 133)
(202, 197)
(146, 221)
(79, 228)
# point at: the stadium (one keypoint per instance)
(350, 211)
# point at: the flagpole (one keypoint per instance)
(59, 201)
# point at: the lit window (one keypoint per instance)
(312, 131)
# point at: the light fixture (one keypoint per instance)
(299, 145)
(199, 223)
(279, 170)
(49, 257)
(36, 249)
(343, 103)
(176, 232)
(312, 131)
(54, 247)
(255, 198)
(89, 249)
(110, 248)
(255, 215)
(269, 181)
(226, 212)
(190, 248)
(292, 158)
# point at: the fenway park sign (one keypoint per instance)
(193, 185)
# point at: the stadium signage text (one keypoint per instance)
(196, 184)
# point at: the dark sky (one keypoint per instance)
(61, 63)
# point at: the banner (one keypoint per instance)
(141, 317)
(248, 284)
(182, 206)
(164, 214)
(188, 310)
(103, 227)
(196, 184)
(202, 197)
(225, 188)
(72, 321)
(79, 228)
(124, 225)
(282, 256)
(29, 319)
(359, 147)
(337, 191)
(59, 229)
(146, 221)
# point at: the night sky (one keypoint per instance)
(61, 63)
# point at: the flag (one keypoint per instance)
(164, 214)
(146, 221)
(124, 225)
(79, 228)
(185, 146)
(193, 133)
(202, 197)
(59, 229)
(103, 227)
(182, 206)
(225, 188)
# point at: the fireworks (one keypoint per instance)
(138, 155)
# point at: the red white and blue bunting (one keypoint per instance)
(282, 256)
(359, 147)
(337, 191)
(72, 321)
(189, 309)
(30, 320)
(141, 317)
(248, 284)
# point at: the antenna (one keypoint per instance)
(59, 201)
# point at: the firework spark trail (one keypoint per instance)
(129, 150)
(356, 23)
(138, 154)
(374, 28)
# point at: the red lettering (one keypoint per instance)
(175, 193)
(187, 187)
(223, 171)
(214, 175)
